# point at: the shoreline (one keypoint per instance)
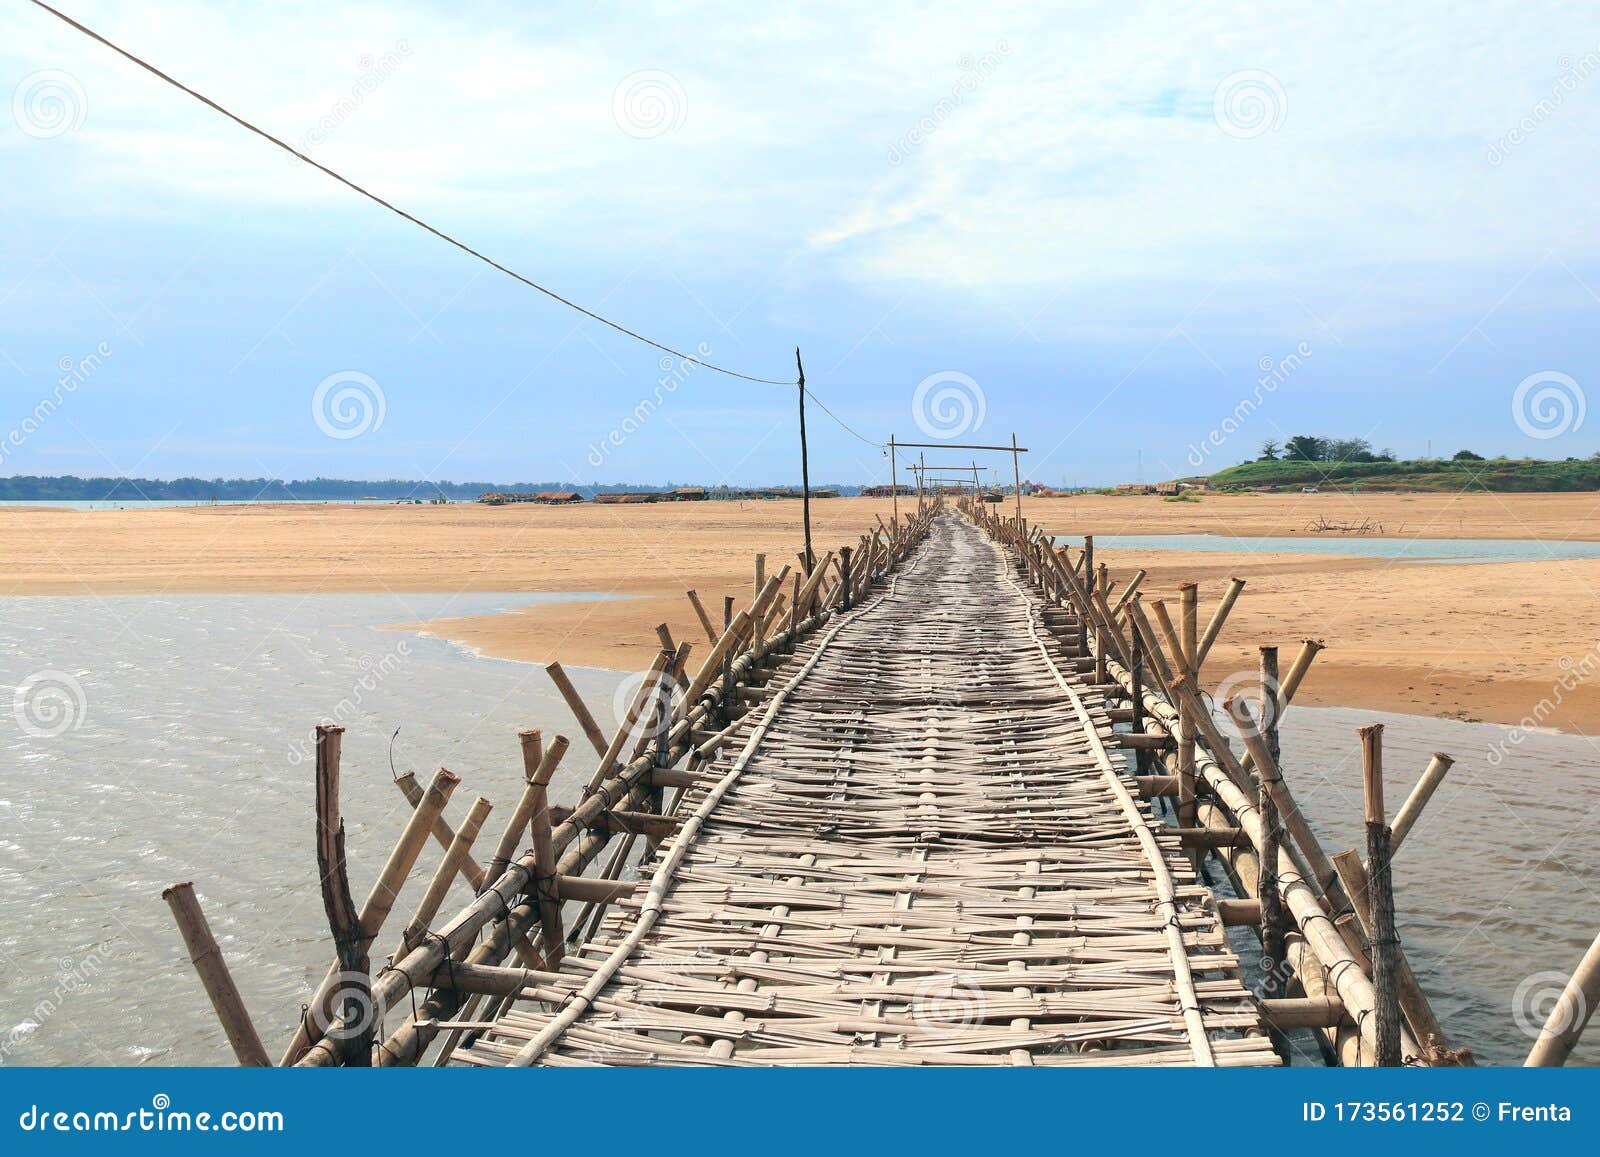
(1482, 641)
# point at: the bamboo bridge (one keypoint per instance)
(942, 798)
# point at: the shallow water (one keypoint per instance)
(183, 754)
(1454, 550)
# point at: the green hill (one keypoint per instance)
(1498, 474)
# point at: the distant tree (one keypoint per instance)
(1349, 450)
(1466, 456)
(1306, 448)
(1269, 451)
(1386, 455)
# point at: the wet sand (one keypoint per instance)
(1485, 641)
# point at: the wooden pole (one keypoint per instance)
(352, 992)
(1273, 924)
(844, 571)
(894, 482)
(1016, 473)
(805, 463)
(214, 976)
(1380, 898)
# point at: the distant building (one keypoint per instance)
(1134, 488)
(626, 499)
(557, 497)
(886, 491)
(689, 494)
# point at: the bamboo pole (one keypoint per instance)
(439, 887)
(700, 613)
(1570, 1015)
(576, 705)
(645, 695)
(1406, 818)
(1219, 616)
(471, 870)
(535, 762)
(1272, 919)
(1380, 898)
(215, 978)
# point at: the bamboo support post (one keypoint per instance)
(439, 887)
(1380, 899)
(352, 989)
(1410, 811)
(576, 705)
(1272, 918)
(215, 978)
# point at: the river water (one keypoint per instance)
(155, 740)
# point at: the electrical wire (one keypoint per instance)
(395, 209)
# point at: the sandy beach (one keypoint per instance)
(1482, 642)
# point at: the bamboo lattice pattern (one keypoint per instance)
(917, 851)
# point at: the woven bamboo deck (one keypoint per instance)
(916, 851)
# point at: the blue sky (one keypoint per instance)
(1092, 227)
